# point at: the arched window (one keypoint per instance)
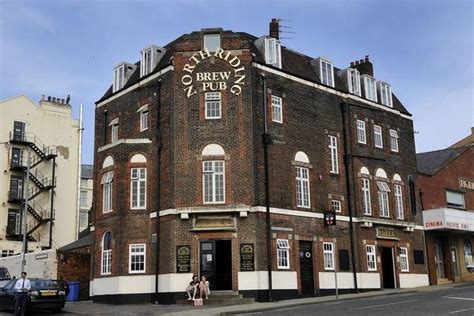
(366, 199)
(107, 185)
(302, 181)
(384, 189)
(106, 254)
(138, 181)
(213, 174)
(398, 196)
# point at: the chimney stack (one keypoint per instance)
(364, 66)
(275, 29)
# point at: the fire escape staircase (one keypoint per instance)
(41, 182)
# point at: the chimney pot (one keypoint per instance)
(54, 99)
(356, 62)
(49, 98)
(42, 97)
(275, 29)
(361, 61)
(352, 63)
(62, 101)
(366, 58)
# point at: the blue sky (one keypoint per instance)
(423, 48)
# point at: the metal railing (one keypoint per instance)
(32, 139)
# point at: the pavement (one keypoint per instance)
(451, 297)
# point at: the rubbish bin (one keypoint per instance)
(73, 295)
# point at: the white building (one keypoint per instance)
(85, 198)
(51, 137)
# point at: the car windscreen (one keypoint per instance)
(4, 275)
(46, 284)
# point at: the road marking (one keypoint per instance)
(378, 305)
(462, 310)
(460, 298)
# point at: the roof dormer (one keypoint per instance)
(325, 70)
(150, 56)
(270, 48)
(122, 73)
(369, 87)
(351, 78)
(384, 91)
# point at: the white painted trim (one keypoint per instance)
(135, 86)
(409, 280)
(130, 258)
(258, 280)
(328, 89)
(125, 141)
(345, 280)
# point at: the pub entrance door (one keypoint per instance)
(306, 268)
(216, 263)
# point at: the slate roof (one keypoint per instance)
(87, 171)
(80, 243)
(293, 62)
(433, 161)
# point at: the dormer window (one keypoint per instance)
(353, 81)
(273, 52)
(326, 72)
(212, 42)
(385, 93)
(150, 57)
(119, 77)
(370, 92)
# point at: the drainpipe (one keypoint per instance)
(79, 171)
(52, 206)
(266, 140)
(157, 94)
(347, 164)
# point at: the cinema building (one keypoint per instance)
(446, 178)
(180, 184)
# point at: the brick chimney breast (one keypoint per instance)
(275, 29)
(364, 66)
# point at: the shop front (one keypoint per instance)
(449, 237)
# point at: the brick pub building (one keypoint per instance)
(446, 178)
(180, 172)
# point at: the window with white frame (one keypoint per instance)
(137, 258)
(273, 52)
(144, 120)
(399, 201)
(212, 42)
(394, 140)
(404, 267)
(119, 77)
(333, 151)
(353, 78)
(277, 113)
(107, 181)
(213, 181)
(366, 203)
(383, 198)
(302, 187)
(114, 132)
(371, 258)
(106, 262)
(83, 218)
(336, 206)
(83, 198)
(283, 254)
(361, 136)
(83, 183)
(326, 72)
(7, 253)
(149, 59)
(213, 105)
(370, 91)
(385, 92)
(328, 252)
(138, 188)
(455, 199)
(378, 140)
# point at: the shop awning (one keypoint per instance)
(447, 218)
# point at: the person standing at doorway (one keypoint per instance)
(22, 287)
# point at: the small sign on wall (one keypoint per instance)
(247, 257)
(183, 259)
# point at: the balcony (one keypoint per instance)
(15, 196)
(31, 140)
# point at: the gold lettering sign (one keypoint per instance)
(466, 184)
(386, 233)
(216, 80)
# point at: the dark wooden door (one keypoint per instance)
(306, 268)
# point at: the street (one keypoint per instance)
(453, 301)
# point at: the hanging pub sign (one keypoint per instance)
(195, 82)
(247, 257)
(183, 259)
(329, 218)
